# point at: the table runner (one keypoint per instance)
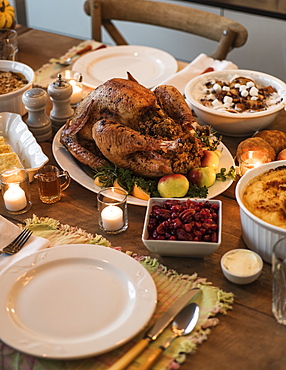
(170, 285)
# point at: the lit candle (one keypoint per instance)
(251, 159)
(76, 94)
(249, 164)
(112, 218)
(15, 198)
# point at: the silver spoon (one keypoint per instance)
(64, 62)
(183, 324)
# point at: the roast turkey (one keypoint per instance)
(121, 121)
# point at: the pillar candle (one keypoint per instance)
(15, 198)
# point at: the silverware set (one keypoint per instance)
(185, 316)
(18, 242)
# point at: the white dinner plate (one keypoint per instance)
(149, 66)
(77, 173)
(74, 301)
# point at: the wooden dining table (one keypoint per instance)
(248, 337)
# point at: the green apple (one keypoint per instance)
(210, 159)
(173, 186)
(202, 176)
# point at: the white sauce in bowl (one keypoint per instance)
(242, 263)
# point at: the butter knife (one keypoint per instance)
(155, 331)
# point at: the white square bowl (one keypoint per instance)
(22, 142)
(178, 248)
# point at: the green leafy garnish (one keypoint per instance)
(126, 178)
(196, 191)
(223, 175)
(211, 141)
(106, 174)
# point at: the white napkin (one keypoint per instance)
(195, 68)
(8, 232)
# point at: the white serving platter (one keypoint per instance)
(77, 173)
(22, 142)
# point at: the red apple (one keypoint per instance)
(210, 159)
(171, 186)
(202, 176)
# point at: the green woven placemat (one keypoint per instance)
(170, 285)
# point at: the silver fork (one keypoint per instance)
(17, 243)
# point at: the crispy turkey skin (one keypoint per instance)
(150, 133)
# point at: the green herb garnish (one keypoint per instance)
(223, 175)
(126, 178)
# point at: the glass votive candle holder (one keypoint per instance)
(75, 80)
(15, 188)
(112, 210)
(251, 159)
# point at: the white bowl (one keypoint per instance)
(22, 142)
(180, 248)
(241, 266)
(234, 124)
(258, 235)
(12, 102)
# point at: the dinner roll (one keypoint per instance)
(275, 138)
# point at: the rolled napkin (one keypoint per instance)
(9, 232)
(195, 68)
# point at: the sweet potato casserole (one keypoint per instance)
(265, 196)
(240, 95)
(11, 81)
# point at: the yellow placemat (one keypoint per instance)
(170, 285)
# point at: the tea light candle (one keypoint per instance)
(15, 198)
(249, 164)
(76, 96)
(112, 218)
(251, 159)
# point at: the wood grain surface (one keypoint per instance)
(249, 336)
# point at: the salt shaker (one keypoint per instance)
(60, 92)
(39, 124)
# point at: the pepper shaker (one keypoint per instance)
(39, 124)
(60, 92)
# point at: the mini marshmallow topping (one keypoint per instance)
(238, 96)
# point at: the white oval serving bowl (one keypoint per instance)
(178, 248)
(234, 124)
(23, 143)
(12, 102)
(238, 271)
(258, 235)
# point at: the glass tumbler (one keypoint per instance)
(279, 280)
(8, 44)
(112, 210)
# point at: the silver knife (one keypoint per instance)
(155, 331)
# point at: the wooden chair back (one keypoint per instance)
(228, 33)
